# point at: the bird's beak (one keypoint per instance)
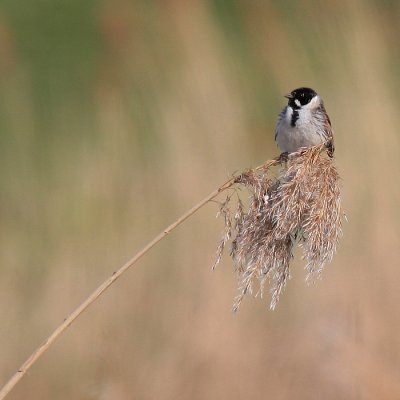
(289, 96)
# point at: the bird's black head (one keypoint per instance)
(300, 97)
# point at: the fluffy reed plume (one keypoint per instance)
(301, 205)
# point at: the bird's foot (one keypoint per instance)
(283, 157)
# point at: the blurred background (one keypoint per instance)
(118, 116)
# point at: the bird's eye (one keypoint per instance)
(304, 98)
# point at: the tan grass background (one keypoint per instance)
(115, 118)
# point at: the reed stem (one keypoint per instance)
(101, 289)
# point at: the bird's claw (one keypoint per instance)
(283, 157)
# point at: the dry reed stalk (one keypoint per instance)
(302, 204)
(100, 290)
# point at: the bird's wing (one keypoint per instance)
(280, 118)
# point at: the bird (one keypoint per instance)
(304, 122)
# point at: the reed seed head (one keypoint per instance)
(300, 205)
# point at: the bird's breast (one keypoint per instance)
(295, 130)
